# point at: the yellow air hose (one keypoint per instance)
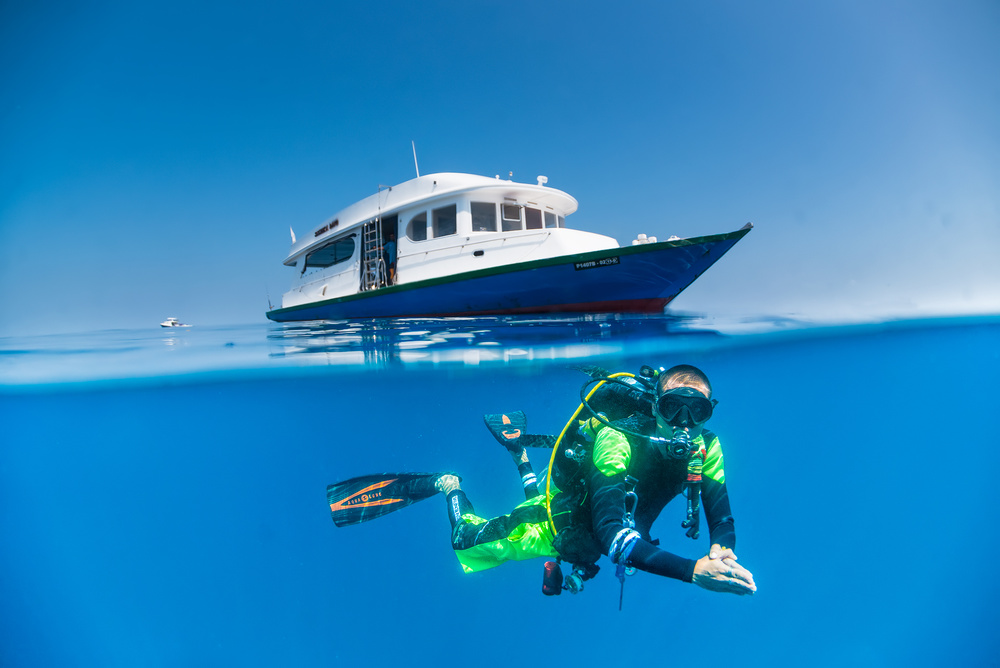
(555, 449)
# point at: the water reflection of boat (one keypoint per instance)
(458, 244)
(173, 322)
(482, 340)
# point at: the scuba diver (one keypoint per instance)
(635, 443)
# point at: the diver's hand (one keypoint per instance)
(723, 575)
(719, 552)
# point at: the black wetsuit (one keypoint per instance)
(660, 479)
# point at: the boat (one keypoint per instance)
(173, 322)
(452, 244)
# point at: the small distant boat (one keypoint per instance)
(173, 322)
(463, 245)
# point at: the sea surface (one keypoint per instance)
(162, 495)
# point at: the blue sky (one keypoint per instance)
(153, 157)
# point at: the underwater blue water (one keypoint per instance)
(162, 496)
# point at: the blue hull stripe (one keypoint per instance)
(631, 279)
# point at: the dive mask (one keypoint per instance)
(684, 407)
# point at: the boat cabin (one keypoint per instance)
(433, 226)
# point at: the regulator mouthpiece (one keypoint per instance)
(680, 446)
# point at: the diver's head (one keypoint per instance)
(683, 404)
(684, 375)
(683, 401)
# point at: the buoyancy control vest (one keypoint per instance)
(624, 404)
(616, 403)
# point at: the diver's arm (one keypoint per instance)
(715, 496)
(608, 509)
(718, 571)
(715, 501)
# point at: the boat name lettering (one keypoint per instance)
(593, 264)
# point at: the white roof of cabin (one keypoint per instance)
(432, 188)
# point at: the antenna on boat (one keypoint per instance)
(293, 234)
(414, 145)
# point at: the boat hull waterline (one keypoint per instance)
(632, 279)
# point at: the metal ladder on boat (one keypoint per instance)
(372, 265)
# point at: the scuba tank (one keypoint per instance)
(618, 397)
(572, 462)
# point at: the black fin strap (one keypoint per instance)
(537, 441)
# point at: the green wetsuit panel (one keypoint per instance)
(613, 453)
(526, 541)
(713, 467)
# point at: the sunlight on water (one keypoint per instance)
(125, 354)
(155, 354)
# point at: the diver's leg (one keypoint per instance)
(466, 534)
(458, 504)
(528, 479)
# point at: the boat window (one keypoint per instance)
(332, 253)
(532, 218)
(417, 229)
(562, 222)
(511, 217)
(443, 221)
(550, 219)
(484, 217)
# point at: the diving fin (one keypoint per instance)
(507, 428)
(595, 372)
(369, 496)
